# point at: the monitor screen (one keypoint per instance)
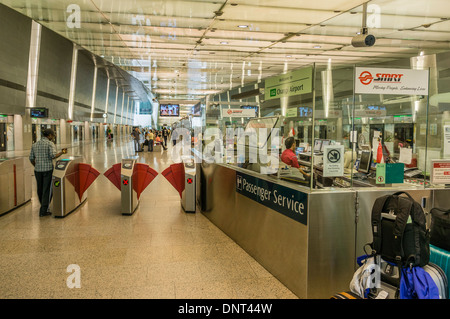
(39, 112)
(169, 110)
(364, 163)
(317, 145)
(299, 150)
(324, 143)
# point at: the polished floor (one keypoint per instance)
(158, 252)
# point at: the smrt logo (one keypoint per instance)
(229, 112)
(366, 78)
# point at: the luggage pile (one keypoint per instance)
(407, 259)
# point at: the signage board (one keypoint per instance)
(440, 171)
(390, 173)
(292, 112)
(238, 113)
(446, 139)
(284, 200)
(333, 160)
(292, 83)
(391, 81)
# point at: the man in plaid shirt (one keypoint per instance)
(42, 154)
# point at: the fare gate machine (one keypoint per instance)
(131, 178)
(183, 178)
(129, 196)
(188, 195)
(71, 178)
(15, 183)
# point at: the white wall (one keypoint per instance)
(142, 120)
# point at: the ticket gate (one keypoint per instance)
(131, 178)
(188, 195)
(129, 198)
(183, 178)
(15, 183)
(71, 178)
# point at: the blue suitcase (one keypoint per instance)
(441, 258)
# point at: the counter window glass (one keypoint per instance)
(338, 136)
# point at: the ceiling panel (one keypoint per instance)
(185, 49)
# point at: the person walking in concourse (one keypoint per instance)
(150, 138)
(41, 157)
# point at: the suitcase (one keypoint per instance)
(389, 279)
(439, 277)
(441, 257)
(345, 295)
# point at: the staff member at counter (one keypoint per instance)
(288, 157)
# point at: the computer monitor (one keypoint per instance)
(324, 143)
(364, 163)
(299, 150)
(317, 145)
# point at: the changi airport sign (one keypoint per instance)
(292, 83)
(284, 200)
(391, 81)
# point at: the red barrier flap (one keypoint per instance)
(168, 174)
(87, 174)
(178, 173)
(113, 174)
(143, 175)
(175, 175)
(75, 181)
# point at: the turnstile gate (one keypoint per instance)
(131, 178)
(188, 195)
(15, 183)
(129, 196)
(71, 178)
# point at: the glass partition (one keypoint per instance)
(356, 127)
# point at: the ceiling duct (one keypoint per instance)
(245, 95)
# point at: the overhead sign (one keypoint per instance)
(440, 172)
(292, 83)
(287, 201)
(391, 81)
(292, 112)
(238, 113)
(333, 160)
(370, 113)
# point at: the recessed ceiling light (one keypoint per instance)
(288, 56)
(242, 26)
(224, 42)
(317, 47)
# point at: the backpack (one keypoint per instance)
(399, 229)
(440, 228)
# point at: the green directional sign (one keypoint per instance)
(390, 173)
(292, 83)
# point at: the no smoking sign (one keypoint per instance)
(333, 164)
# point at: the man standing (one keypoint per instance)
(136, 136)
(41, 157)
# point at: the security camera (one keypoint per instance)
(363, 40)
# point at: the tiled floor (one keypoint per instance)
(158, 252)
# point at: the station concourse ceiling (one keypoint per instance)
(183, 50)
